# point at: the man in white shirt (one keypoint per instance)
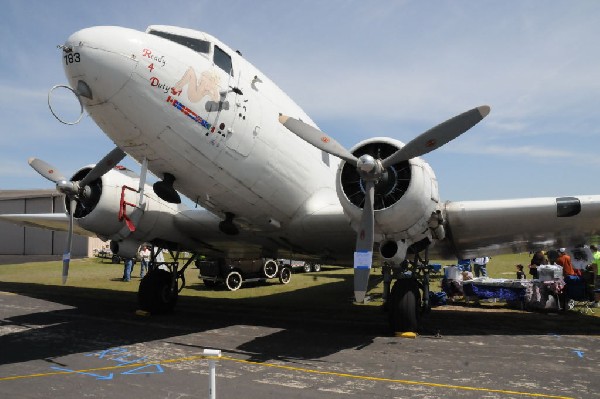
(480, 266)
(145, 260)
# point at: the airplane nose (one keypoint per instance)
(99, 61)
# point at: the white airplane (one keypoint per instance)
(271, 184)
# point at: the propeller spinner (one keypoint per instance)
(371, 170)
(75, 190)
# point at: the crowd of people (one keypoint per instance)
(560, 258)
(582, 268)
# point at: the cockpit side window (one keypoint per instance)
(223, 60)
(201, 46)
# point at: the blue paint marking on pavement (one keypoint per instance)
(148, 369)
(125, 362)
(122, 357)
(112, 351)
(579, 353)
(97, 376)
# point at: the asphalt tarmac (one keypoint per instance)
(73, 346)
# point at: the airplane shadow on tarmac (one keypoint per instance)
(96, 319)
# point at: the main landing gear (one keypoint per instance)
(408, 299)
(160, 287)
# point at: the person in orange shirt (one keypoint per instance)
(565, 261)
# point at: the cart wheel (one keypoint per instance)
(270, 269)
(233, 281)
(307, 267)
(285, 275)
(316, 267)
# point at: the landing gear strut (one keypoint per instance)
(159, 289)
(409, 297)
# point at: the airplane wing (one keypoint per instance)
(505, 226)
(50, 221)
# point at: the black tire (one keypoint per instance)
(155, 294)
(307, 267)
(233, 281)
(115, 259)
(270, 269)
(285, 275)
(316, 267)
(404, 306)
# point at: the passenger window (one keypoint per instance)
(223, 60)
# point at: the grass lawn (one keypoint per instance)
(329, 291)
(502, 266)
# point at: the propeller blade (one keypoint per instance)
(437, 136)
(67, 255)
(46, 170)
(317, 138)
(107, 163)
(363, 257)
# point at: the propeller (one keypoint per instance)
(75, 191)
(67, 254)
(371, 170)
(317, 138)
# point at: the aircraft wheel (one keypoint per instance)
(403, 305)
(285, 275)
(233, 281)
(155, 294)
(270, 269)
(307, 267)
(316, 267)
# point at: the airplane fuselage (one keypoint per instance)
(200, 114)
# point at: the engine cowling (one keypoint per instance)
(406, 197)
(111, 201)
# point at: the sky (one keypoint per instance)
(360, 69)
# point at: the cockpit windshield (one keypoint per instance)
(223, 60)
(198, 45)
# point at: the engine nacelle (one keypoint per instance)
(405, 197)
(394, 251)
(110, 208)
(125, 248)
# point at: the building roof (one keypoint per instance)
(23, 194)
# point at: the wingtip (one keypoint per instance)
(283, 119)
(484, 110)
